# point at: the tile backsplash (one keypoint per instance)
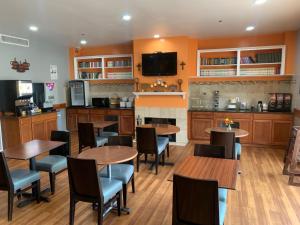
(247, 92)
(108, 90)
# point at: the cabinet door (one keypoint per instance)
(50, 126)
(96, 117)
(39, 130)
(262, 131)
(127, 125)
(83, 118)
(198, 127)
(25, 130)
(245, 124)
(281, 132)
(72, 121)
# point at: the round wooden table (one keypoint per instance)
(162, 129)
(108, 155)
(239, 133)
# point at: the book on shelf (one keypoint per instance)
(96, 64)
(119, 75)
(218, 72)
(258, 71)
(119, 63)
(247, 60)
(218, 61)
(86, 75)
(271, 57)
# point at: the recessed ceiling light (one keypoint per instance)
(126, 17)
(259, 2)
(156, 36)
(33, 28)
(250, 28)
(83, 42)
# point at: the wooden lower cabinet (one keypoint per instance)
(126, 118)
(262, 132)
(281, 132)
(263, 128)
(198, 127)
(18, 130)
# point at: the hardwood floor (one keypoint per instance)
(262, 196)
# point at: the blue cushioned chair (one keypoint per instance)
(125, 171)
(200, 206)
(87, 138)
(56, 161)
(86, 186)
(148, 143)
(215, 151)
(16, 182)
(111, 130)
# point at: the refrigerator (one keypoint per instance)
(79, 93)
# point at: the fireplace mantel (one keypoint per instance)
(181, 94)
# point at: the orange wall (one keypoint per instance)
(186, 52)
(97, 50)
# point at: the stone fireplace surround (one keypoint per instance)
(180, 114)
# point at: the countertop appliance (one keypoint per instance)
(100, 102)
(14, 95)
(44, 95)
(79, 93)
(280, 102)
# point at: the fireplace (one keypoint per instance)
(154, 120)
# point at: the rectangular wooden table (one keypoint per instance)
(223, 170)
(28, 151)
(103, 124)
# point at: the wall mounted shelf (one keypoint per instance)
(138, 94)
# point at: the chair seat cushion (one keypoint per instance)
(222, 194)
(222, 212)
(52, 163)
(110, 187)
(162, 143)
(109, 134)
(238, 149)
(122, 172)
(22, 178)
(100, 141)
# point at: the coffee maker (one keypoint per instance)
(280, 102)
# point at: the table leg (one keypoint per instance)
(108, 168)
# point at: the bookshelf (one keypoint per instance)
(246, 61)
(103, 68)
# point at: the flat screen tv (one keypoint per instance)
(159, 64)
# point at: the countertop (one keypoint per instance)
(231, 111)
(94, 107)
(37, 114)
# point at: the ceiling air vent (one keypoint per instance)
(11, 40)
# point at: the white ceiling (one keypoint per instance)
(63, 21)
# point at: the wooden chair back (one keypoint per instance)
(120, 140)
(86, 135)
(5, 179)
(215, 151)
(146, 140)
(195, 201)
(83, 180)
(226, 139)
(113, 128)
(63, 136)
(234, 125)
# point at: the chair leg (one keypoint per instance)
(100, 214)
(168, 150)
(52, 182)
(38, 191)
(138, 163)
(163, 158)
(125, 195)
(10, 204)
(156, 163)
(132, 183)
(146, 156)
(19, 195)
(119, 203)
(72, 210)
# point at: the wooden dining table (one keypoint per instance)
(162, 129)
(223, 170)
(100, 125)
(108, 155)
(29, 151)
(239, 133)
